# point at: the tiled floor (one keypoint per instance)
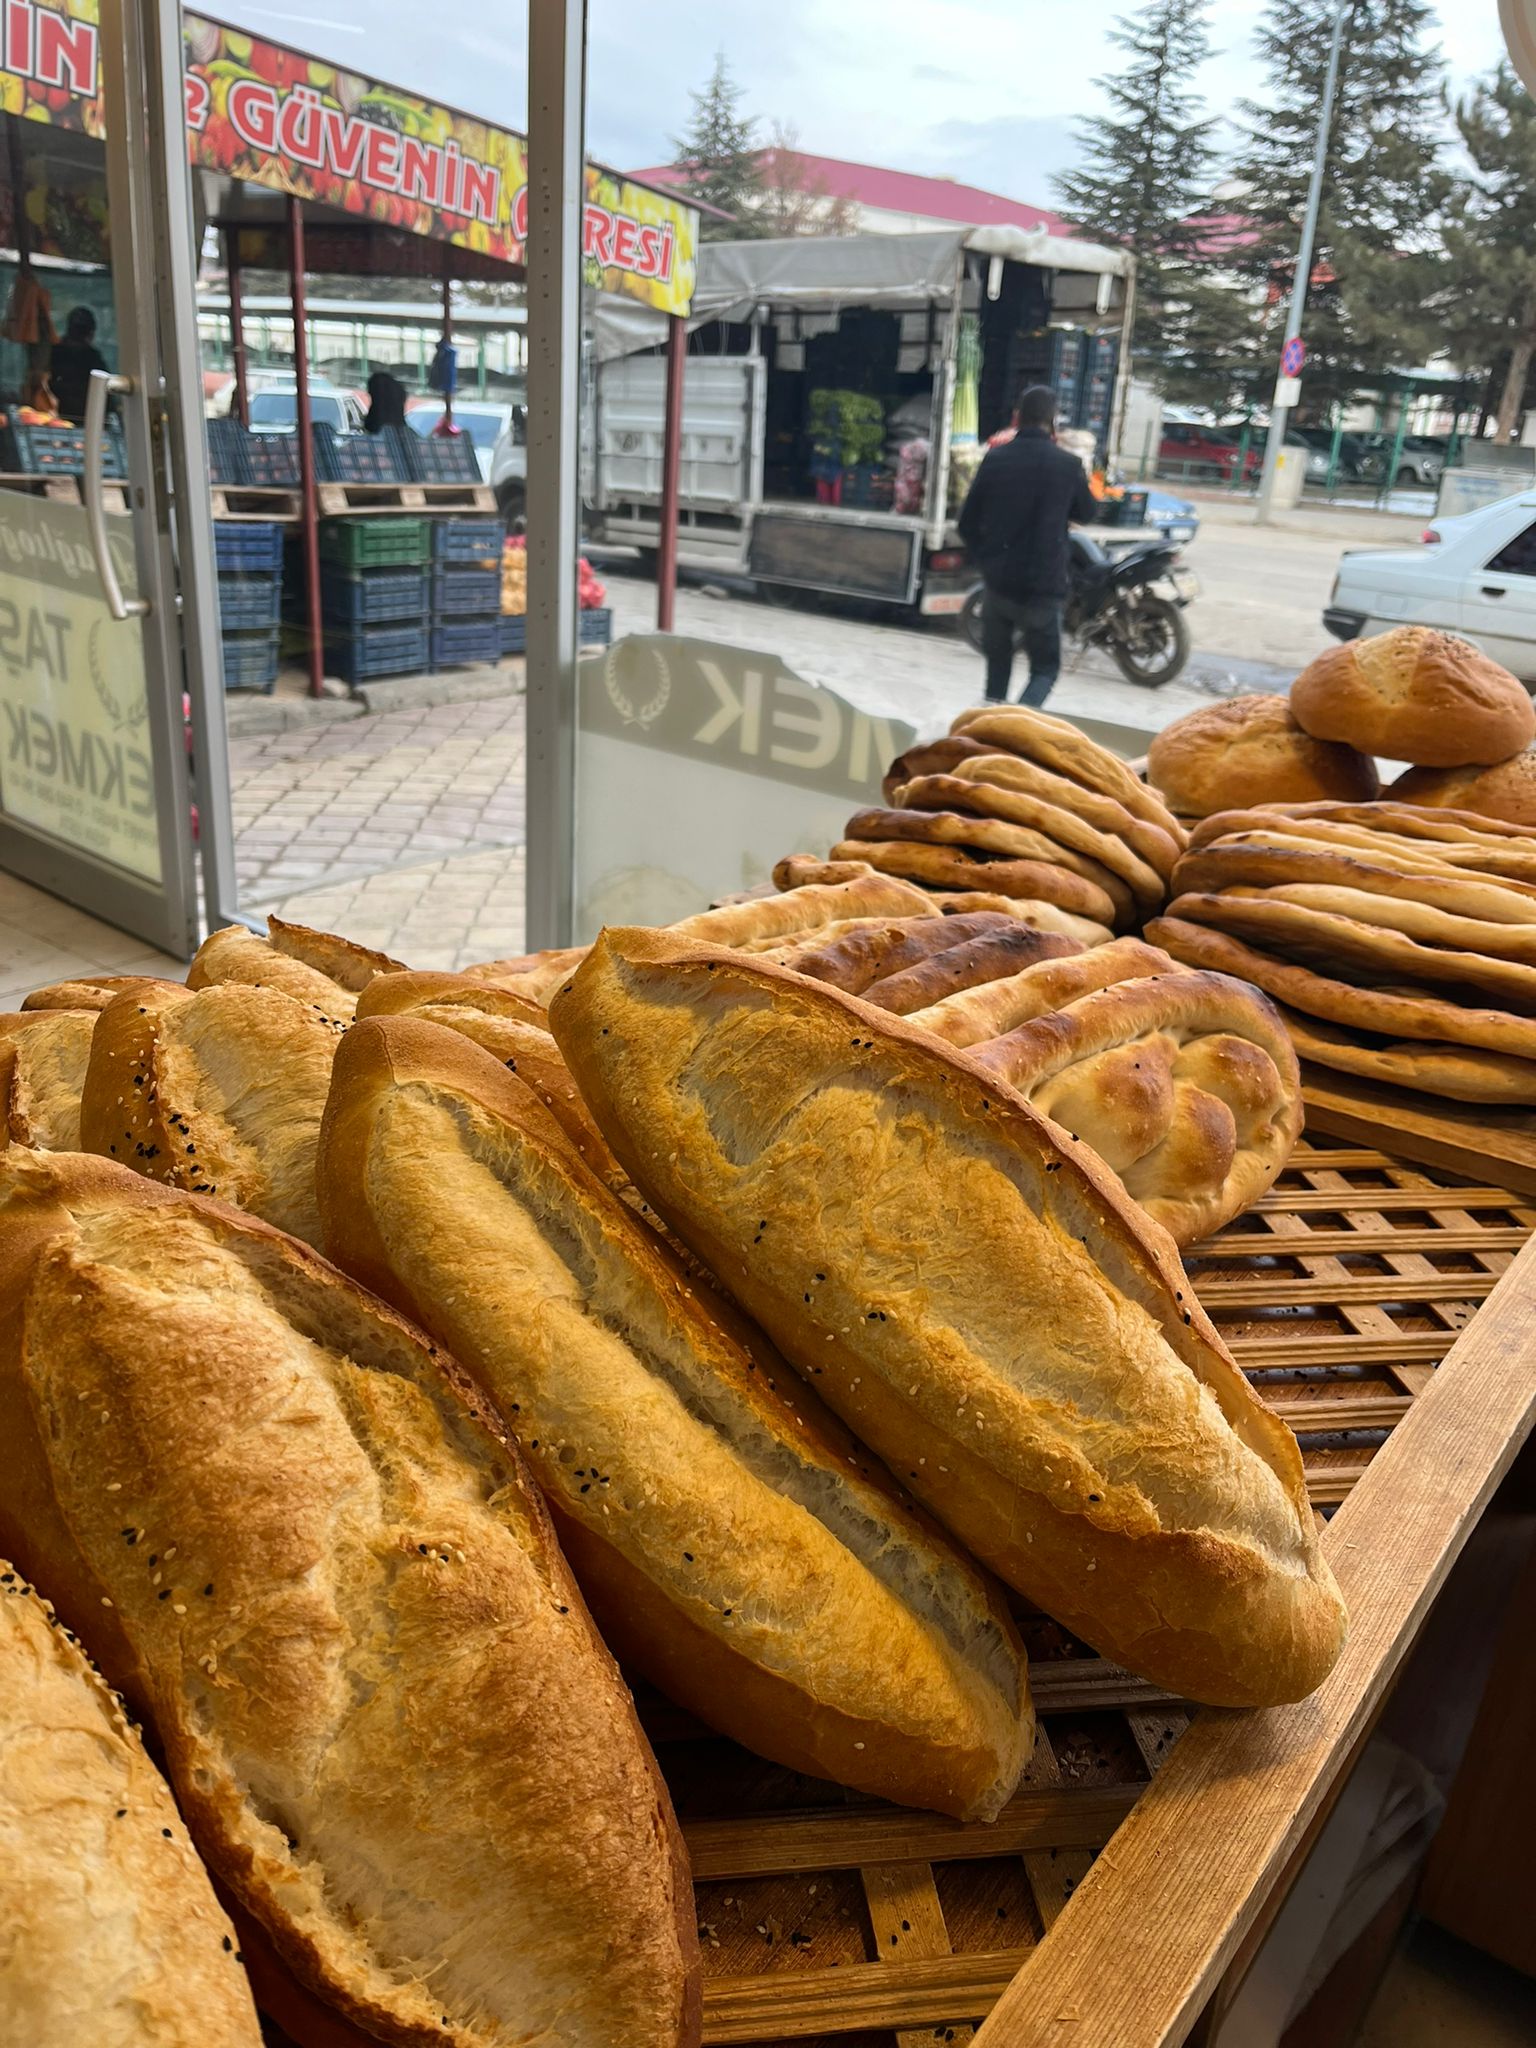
(1439, 1993)
(42, 940)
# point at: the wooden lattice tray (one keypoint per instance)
(830, 1919)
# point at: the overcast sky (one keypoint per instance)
(983, 91)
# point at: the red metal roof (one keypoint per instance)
(894, 192)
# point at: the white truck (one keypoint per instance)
(936, 331)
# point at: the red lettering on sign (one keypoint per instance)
(252, 107)
(18, 37)
(421, 166)
(648, 253)
(300, 128)
(481, 194)
(624, 232)
(381, 163)
(343, 139)
(520, 214)
(597, 239)
(66, 54)
(197, 102)
(668, 243)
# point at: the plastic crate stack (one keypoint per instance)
(466, 592)
(373, 597)
(249, 557)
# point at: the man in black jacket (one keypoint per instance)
(1014, 522)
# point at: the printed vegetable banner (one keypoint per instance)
(272, 116)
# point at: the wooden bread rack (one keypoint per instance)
(1384, 1310)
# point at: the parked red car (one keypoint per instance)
(1212, 448)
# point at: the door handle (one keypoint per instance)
(1494, 590)
(103, 385)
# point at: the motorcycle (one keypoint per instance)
(1130, 604)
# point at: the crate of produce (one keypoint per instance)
(465, 641)
(358, 458)
(436, 458)
(374, 543)
(372, 595)
(467, 540)
(388, 650)
(249, 601)
(250, 659)
(594, 628)
(465, 588)
(254, 545)
(60, 451)
(273, 460)
(228, 459)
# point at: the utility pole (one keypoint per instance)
(1280, 414)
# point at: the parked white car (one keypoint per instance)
(1475, 574)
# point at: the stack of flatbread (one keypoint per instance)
(1017, 804)
(1400, 942)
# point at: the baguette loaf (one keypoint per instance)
(111, 1932)
(512, 1027)
(976, 1298)
(734, 1544)
(235, 954)
(219, 1090)
(92, 993)
(43, 1058)
(295, 1533)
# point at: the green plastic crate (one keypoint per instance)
(375, 543)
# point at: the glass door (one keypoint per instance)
(96, 802)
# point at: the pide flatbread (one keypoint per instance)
(1157, 847)
(950, 867)
(1058, 745)
(1461, 1073)
(990, 835)
(974, 1015)
(853, 960)
(973, 964)
(1038, 814)
(1384, 1012)
(1320, 939)
(1252, 860)
(1426, 923)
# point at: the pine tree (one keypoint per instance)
(1374, 265)
(718, 158)
(1144, 182)
(1488, 306)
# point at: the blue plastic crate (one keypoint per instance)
(379, 651)
(466, 641)
(374, 595)
(594, 628)
(437, 458)
(249, 600)
(250, 660)
(514, 633)
(468, 540)
(252, 544)
(462, 590)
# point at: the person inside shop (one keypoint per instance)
(1014, 523)
(71, 362)
(386, 402)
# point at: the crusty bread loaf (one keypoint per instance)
(532, 974)
(1506, 791)
(1049, 917)
(43, 1058)
(235, 954)
(92, 993)
(1057, 744)
(1460, 1072)
(513, 1027)
(1389, 1012)
(219, 1090)
(1064, 826)
(1010, 772)
(735, 1546)
(1414, 694)
(111, 1934)
(1186, 1085)
(387, 1718)
(952, 867)
(977, 1299)
(973, 1015)
(343, 961)
(1250, 750)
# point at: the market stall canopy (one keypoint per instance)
(819, 273)
(261, 115)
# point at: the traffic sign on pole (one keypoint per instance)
(1293, 356)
